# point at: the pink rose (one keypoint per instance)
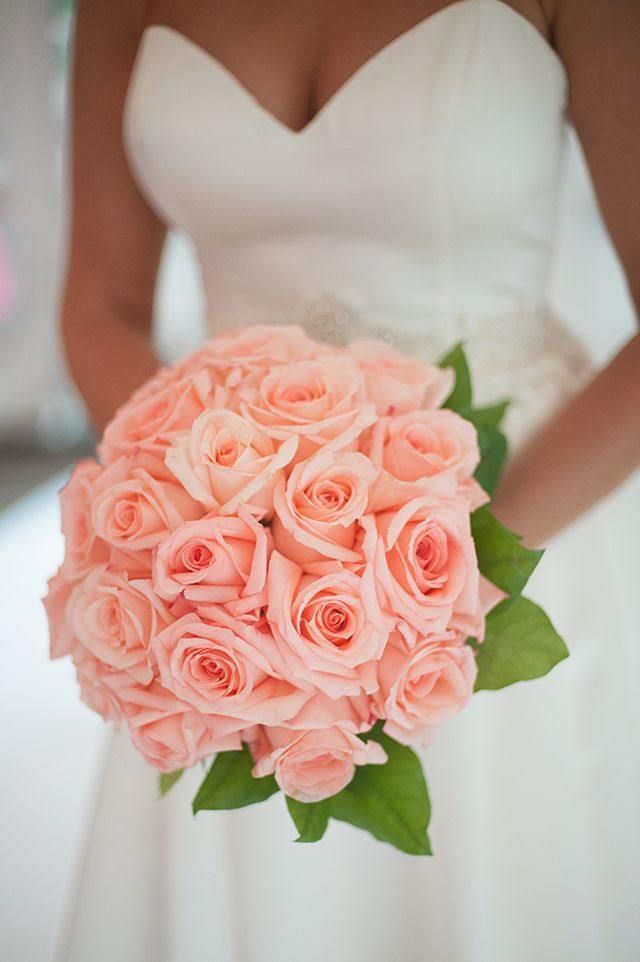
(167, 376)
(396, 383)
(148, 422)
(133, 510)
(318, 508)
(427, 567)
(115, 619)
(258, 346)
(83, 550)
(55, 605)
(135, 564)
(223, 461)
(357, 713)
(321, 402)
(473, 493)
(99, 683)
(330, 630)
(423, 686)
(423, 452)
(214, 560)
(312, 765)
(472, 624)
(170, 735)
(225, 667)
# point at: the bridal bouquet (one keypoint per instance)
(283, 564)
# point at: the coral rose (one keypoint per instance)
(320, 401)
(472, 624)
(423, 686)
(55, 605)
(397, 383)
(149, 421)
(427, 567)
(83, 549)
(214, 561)
(100, 684)
(223, 461)
(330, 630)
(423, 452)
(318, 508)
(170, 734)
(355, 712)
(259, 346)
(312, 765)
(225, 667)
(115, 619)
(132, 510)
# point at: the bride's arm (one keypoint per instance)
(116, 240)
(594, 442)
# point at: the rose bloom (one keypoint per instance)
(149, 423)
(223, 461)
(472, 624)
(321, 402)
(423, 452)
(135, 564)
(100, 683)
(55, 604)
(167, 376)
(473, 493)
(225, 667)
(426, 565)
(426, 443)
(132, 510)
(357, 713)
(318, 508)
(423, 686)
(214, 560)
(170, 734)
(312, 765)
(330, 630)
(115, 619)
(397, 383)
(83, 549)
(250, 348)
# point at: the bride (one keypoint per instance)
(385, 170)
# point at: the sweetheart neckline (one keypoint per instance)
(361, 71)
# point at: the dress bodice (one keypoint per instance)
(419, 204)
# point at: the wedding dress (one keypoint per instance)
(419, 205)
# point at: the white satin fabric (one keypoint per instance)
(419, 205)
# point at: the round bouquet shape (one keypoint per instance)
(283, 562)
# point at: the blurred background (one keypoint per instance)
(43, 429)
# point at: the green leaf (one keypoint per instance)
(493, 451)
(492, 442)
(502, 558)
(489, 417)
(520, 643)
(310, 818)
(230, 784)
(168, 779)
(390, 801)
(460, 398)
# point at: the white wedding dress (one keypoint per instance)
(420, 206)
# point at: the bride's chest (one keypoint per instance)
(459, 120)
(293, 65)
